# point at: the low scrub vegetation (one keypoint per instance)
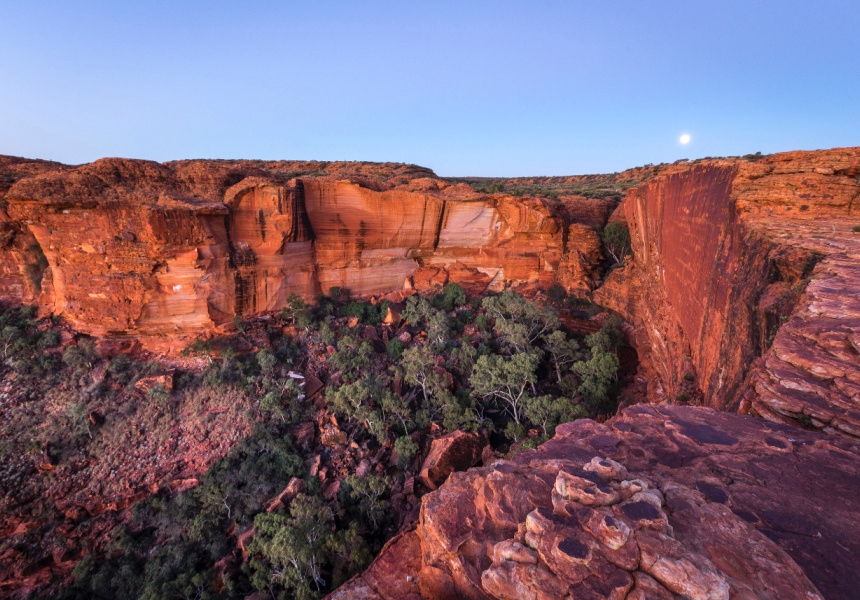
(499, 364)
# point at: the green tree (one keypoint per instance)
(352, 400)
(505, 380)
(419, 311)
(294, 306)
(349, 553)
(81, 356)
(405, 449)
(463, 358)
(295, 547)
(369, 493)
(556, 294)
(608, 338)
(419, 369)
(616, 242)
(394, 349)
(596, 376)
(353, 357)
(563, 352)
(519, 322)
(80, 416)
(599, 374)
(547, 412)
(394, 409)
(451, 297)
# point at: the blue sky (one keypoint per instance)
(465, 88)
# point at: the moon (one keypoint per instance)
(685, 139)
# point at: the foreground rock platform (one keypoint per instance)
(659, 502)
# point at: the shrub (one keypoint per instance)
(80, 416)
(81, 356)
(856, 229)
(294, 309)
(451, 297)
(366, 312)
(395, 349)
(515, 431)
(338, 294)
(353, 357)
(405, 449)
(327, 335)
(556, 294)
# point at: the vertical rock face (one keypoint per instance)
(687, 246)
(163, 253)
(369, 241)
(746, 272)
(271, 245)
(660, 502)
(116, 263)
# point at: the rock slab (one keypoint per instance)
(659, 502)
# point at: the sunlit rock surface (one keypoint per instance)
(165, 252)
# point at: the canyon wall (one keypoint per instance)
(741, 289)
(158, 254)
(743, 284)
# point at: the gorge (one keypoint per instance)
(740, 296)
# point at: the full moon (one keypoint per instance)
(685, 139)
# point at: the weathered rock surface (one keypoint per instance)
(736, 260)
(660, 502)
(166, 252)
(456, 451)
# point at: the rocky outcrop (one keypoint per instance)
(166, 252)
(743, 284)
(660, 502)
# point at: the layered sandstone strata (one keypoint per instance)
(162, 253)
(736, 260)
(661, 502)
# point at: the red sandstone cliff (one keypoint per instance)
(743, 284)
(724, 251)
(741, 290)
(162, 253)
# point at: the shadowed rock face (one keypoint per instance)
(164, 252)
(744, 280)
(660, 502)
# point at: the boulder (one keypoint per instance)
(455, 451)
(294, 487)
(164, 381)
